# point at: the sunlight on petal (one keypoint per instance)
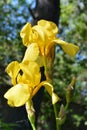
(69, 48)
(49, 26)
(55, 98)
(40, 33)
(25, 32)
(49, 89)
(31, 73)
(12, 70)
(18, 95)
(31, 53)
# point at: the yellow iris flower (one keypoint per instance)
(26, 79)
(26, 76)
(44, 34)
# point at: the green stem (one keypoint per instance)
(31, 113)
(32, 124)
(58, 127)
(67, 105)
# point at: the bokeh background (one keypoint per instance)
(72, 28)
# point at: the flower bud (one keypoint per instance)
(70, 90)
(62, 115)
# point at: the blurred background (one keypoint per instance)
(71, 18)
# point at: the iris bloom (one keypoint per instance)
(44, 34)
(26, 78)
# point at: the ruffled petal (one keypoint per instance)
(18, 95)
(25, 32)
(49, 27)
(47, 31)
(41, 38)
(40, 32)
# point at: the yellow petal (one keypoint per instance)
(31, 53)
(12, 70)
(40, 32)
(32, 67)
(48, 48)
(25, 79)
(55, 98)
(25, 32)
(47, 31)
(69, 48)
(31, 72)
(18, 95)
(48, 26)
(41, 38)
(49, 89)
(40, 61)
(47, 85)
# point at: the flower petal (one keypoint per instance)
(18, 95)
(25, 32)
(40, 33)
(55, 98)
(31, 53)
(40, 61)
(49, 89)
(31, 73)
(12, 70)
(69, 48)
(49, 27)
(41, 38)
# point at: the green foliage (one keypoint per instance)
(6, 126)
(73, 23)
(77, 119)
(73, 28)
(12, 18)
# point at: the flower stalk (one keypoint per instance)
(31, 113)
(58, 127)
